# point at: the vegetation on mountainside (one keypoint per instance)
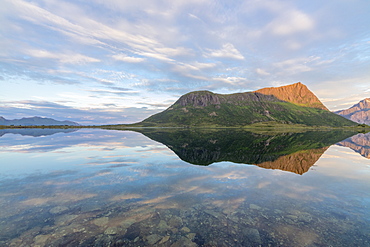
(232, 115)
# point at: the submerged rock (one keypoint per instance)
(101, 221)
(305, 217)
(58, 209)
(175, 221)
(127, 223)
(164, 240)
(154, 238)
(191, 236)
(162, 226)
(40, 240)
(185, 229)
(214, 214)
(184, 242)
(251, 235)
(111, 231)
(65, 219)
(254, 206)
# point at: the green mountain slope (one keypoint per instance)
(204, 109)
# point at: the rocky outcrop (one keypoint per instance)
(359, 113)
(199, 99)
(206, 98)
(296, 93)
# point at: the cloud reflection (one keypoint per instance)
(168, 194)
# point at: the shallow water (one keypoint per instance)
(121, 188)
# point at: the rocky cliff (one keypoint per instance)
(297, 93)
(207, 98)
(359, 113)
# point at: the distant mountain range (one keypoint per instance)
(359, 113)
(292, 104)
(35, 121)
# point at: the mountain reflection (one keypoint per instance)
(34, 131)
(359, 143)
(293, 152)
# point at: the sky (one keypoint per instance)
(120, 61)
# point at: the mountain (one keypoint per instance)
(292, 104)
(359, 113)
(294, 152)
(35, 132)
(359, 143)
(35, 121)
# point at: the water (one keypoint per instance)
(184, 188)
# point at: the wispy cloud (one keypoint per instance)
(297, 65)
(227, 51)
(113, 54)
(72, 58)
(128, 59)
(115, 91)
(291, 22)
(262, 72)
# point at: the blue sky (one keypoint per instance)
(119, 61)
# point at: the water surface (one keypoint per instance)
(184, 188)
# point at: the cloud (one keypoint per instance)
(157, 105)
(114, 91)
(342, 93)
(296, 65)
(72, 58)
(35, 74)
(59, 111)
(127, 59)
(187, 68)
(158, 50)
(227, 51)
(230, 80)
(121, 89)
(262, 72)
(291, 22)
(293, 44)
(103, 36)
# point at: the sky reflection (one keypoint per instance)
(102, 179)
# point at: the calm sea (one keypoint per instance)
(94, 187)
